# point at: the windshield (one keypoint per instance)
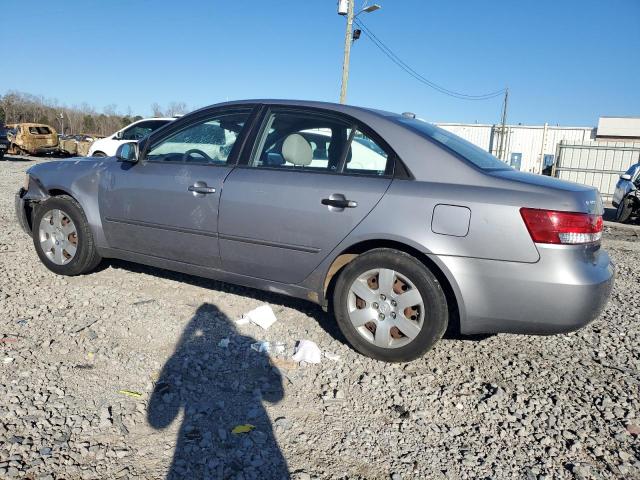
(479, 157)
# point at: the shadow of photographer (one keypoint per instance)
(216, 389)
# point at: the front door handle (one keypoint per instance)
(201, 188)
(338, 202)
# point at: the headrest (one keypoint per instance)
(297, 150)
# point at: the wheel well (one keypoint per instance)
(353, 251)
(98, 153)
(29, 206)
(57, 192)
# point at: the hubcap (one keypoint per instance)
(386, 308)
(58, 237)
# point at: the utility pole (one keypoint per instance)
(503, 129)
(347, 51)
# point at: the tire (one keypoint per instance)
(99, 154)
(85, 258)
(366, 274)
(625, 209)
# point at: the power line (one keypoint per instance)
(404, 66)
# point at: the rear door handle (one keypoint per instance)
(201, 188)
(338, 201)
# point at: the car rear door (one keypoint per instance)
(166, 205)
(295, 198)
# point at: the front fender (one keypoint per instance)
(77, 177)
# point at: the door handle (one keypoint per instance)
(338, 201)
(201, 188)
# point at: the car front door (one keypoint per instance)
(166, 205)
(295, 197)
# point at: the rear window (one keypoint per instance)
(467, 150)
(39, 130)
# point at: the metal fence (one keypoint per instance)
(598, 164)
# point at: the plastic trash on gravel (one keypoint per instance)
(307, 351)
(261, 347)
(262, 316)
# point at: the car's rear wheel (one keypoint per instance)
(625, 208)
(99, 154)
(62, 237)
(390, 306)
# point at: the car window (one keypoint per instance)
(365, 156)
(467, 150)
(208, 142)
(301, 141)
(142, 129)
(39, 130)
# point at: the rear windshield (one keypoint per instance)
(39, 130)
(467, 150)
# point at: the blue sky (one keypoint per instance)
(565, 62)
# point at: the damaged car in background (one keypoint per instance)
(32, 139)
(400, 228)
(626, 196)
(77, 145)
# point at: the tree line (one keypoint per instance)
(20, 107)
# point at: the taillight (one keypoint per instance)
(552, 226)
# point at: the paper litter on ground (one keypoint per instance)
(307, 351)
(262, 316)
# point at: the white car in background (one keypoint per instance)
(106, 147)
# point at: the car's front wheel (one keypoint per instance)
(390, 306)
(625, 209)
(99, 154)
(62, 237)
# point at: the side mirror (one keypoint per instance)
(625, 176)
(127, 152)
(118, 135)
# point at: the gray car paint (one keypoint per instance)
(276, 236)
(273, 226)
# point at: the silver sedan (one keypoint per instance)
(400, 228)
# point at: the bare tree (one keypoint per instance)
(23, 107)
(157, 110)
(176, 108)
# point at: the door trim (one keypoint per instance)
(288, 246)
(159, 226)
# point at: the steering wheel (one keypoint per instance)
(188, 153)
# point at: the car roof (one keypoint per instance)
(169, 119)
(353, 110)
(30, 124)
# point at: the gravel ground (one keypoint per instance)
(119, 374)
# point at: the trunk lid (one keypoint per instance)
(552, 193)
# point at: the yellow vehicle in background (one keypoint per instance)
(31, 139)
(77, 145)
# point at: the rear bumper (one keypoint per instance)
(564, 291)
(21, 213)
(40, 150)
